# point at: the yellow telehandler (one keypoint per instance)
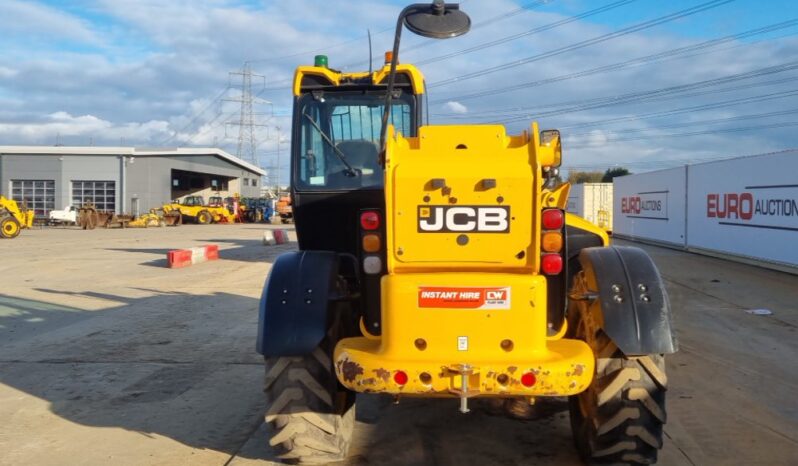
(439, 261)
(194, 208)
(13, 218)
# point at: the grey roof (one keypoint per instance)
(132, 152)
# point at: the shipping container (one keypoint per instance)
(652, 206)
(593, 202)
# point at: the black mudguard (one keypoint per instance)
(295, 302)
(634, 303)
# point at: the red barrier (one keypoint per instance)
(281, 236)
(179, 258)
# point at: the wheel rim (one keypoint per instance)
(10, 228)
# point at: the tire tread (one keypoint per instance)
(306, 429)
(620, 418)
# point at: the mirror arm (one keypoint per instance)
(386, 112)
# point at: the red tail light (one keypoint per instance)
(370, 220)
(528, 379)
(400, 377)
(553, 219)
(551, 264)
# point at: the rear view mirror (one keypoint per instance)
(437, 20)
(550, 139)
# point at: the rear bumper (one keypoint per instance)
(565, 367)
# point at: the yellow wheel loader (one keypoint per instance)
(13, 218)
(439, 261)
(193, 208)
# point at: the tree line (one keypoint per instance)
(578, 177)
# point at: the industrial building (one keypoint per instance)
(120, 179)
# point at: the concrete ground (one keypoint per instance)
(108, 357)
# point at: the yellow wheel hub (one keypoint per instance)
(10, 228)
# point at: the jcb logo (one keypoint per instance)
(457, 219)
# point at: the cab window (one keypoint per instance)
(351, 122)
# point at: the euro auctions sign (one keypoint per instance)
(650, 205)
(763, 206)
(446, 297)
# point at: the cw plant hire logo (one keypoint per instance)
(448, 297)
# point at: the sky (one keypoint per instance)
(643, 84)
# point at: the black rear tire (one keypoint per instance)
(619, 419)
(311, 416)
(204, 217)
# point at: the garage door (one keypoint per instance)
(38, 195)
(100, 193)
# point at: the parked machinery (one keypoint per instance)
(90, 218)
(257, 210)
(443, 264)
(156, 218)
(14, 218)
(67, 216)
(194, 208)
(285, 209)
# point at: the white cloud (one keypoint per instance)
(594, 137)
(173, 59)
(456, 107)
(29, 18)
(82, 128)
(6, 72)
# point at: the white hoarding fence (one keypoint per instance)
(651, 206)
(746, 207)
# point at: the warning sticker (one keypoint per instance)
(462, 343)
(447, 297)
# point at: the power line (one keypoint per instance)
(277, 85)
(212, 125)
(674, 161)
(592, 104)
(426, 43)
(687, 134)
(528, 33)
(317, 51)
(196, 117)
(579, 45)
(508, 114)
(690, 123)
(648, 59)
(690, 109)
(722, 90)
(509, 14)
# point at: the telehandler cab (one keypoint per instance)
(438, 261)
